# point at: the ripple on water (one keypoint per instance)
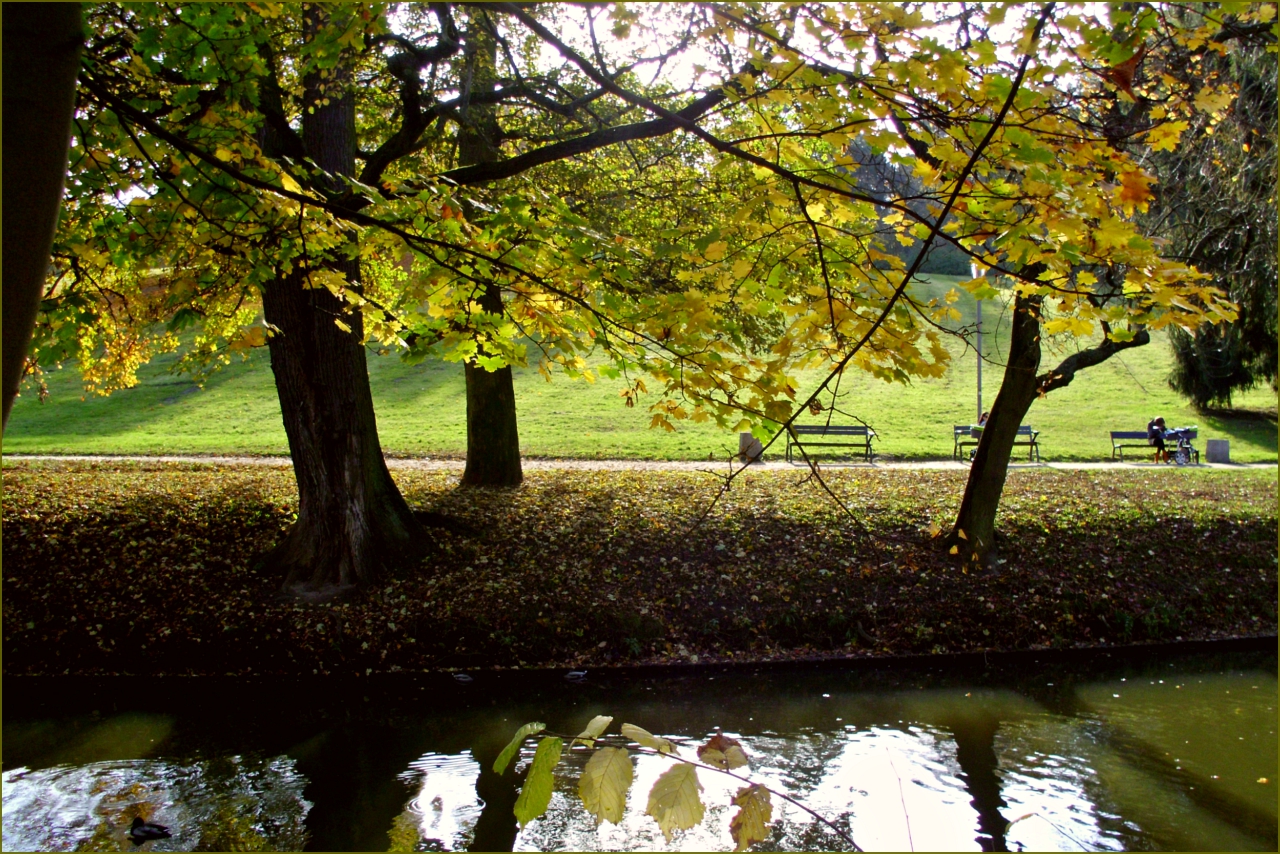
(208, 805)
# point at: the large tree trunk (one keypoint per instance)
(352, 521)
(493, 440)
(41, 46)
(974, 532)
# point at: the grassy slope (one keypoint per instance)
(421, 410)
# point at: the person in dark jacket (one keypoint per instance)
(1155, 436)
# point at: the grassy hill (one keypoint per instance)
(422, 410)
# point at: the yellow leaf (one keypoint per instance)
(604, 783)
(674, 802)
(1134, 190)
(644, 738)
(721, 751)
(1164, 137)
(750, 825)
(1212, 100)
(593, 731)
(252, 337)
(716, 251)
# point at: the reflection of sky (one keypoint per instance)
(446, 808)
(849, 776)
(62, 808)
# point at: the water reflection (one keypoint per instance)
(1132, 758)
(223, 804)
(443, 814)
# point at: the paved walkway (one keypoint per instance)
(428, 463)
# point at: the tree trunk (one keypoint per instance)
(352, 521)
(493, 440)
(974, 532)
(41, 47)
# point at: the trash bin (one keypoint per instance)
(1217, 451)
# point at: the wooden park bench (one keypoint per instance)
(836, 435)
(1121, 439)
(969, 436)
(966, 436)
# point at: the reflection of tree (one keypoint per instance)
(225, 804)
(976, 753)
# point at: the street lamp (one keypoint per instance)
(976, 274)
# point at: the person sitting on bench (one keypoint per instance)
(1155, 436)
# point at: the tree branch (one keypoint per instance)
(1061, 376)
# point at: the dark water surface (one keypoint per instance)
(1169, 748)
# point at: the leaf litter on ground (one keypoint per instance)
(127, 568)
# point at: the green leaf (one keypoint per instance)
(750, 825)
(500, 764)
(604, 783)
(535, 794)
(593, 731)
(674, 801)
(644, 738)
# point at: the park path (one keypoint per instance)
(718, 466)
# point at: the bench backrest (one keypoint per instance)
(966, 429)
(831, 430)
(1127, 435)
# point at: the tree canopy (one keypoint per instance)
(178, 216)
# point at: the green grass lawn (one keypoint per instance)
(422, 410)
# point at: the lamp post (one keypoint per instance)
(977, 273)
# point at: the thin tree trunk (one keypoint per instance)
(493, 439)
(973, 535)
(353, 523)
(41, 45)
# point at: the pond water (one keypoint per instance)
(1161, 749)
